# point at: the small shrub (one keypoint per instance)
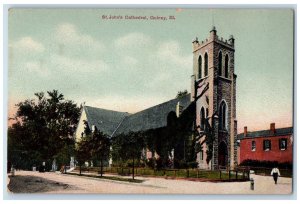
(192, 164)
(180, 164)
(151, 162)
(266, 164)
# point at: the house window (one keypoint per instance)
(201, 155)
(283, 144)
(267, 145)
(253, 146)
(226, 66)
(200, 66)
(205, 64)
(220, 64)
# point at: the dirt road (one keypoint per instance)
(49, 182)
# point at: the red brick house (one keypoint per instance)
(266, 145)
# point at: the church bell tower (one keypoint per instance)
(214, 92)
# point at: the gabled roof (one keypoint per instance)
(106, 121)
(266, 133)
(152, 118)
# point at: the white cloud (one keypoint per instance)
(170, 51)
(72, 42)
(131, 49)
(78, 65)
(28, 44)
(163, 62)
(159, 79)
(133, 40)
(67, 33)
(36, 68)
(128, 60)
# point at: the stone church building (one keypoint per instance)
(212, 98)
(213, 71)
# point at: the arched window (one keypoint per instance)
(200, 67)
(223, 116)
(220, 64)
(226, 65)
(205, 64)
(202, 119)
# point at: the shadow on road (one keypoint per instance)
(36, 184)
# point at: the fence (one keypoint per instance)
(264, 171)
(225, 175)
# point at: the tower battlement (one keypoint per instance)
(213, 38)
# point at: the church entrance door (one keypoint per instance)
(222, 156)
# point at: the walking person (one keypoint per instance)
(275, 173)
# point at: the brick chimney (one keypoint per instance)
(245, 131)
(272, 128)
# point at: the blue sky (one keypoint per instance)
(129, 65)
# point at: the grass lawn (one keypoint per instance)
(115, 178)
(178, 173)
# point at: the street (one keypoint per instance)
(50, 182)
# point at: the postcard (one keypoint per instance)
(150, 101)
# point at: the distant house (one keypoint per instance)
(267, 145)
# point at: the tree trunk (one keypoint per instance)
(101, 169)
(133, 168)
(79, 169)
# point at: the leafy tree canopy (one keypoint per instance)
(181, 93)
(45, 125)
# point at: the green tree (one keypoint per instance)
(49, 123)
(19, 156)
(128, 147)
(180, 94)
(82, 151)
(208, 135)
(82, 146)
(100, 147)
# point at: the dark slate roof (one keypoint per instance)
(106, 121)
(152, 118)
(266, 133)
